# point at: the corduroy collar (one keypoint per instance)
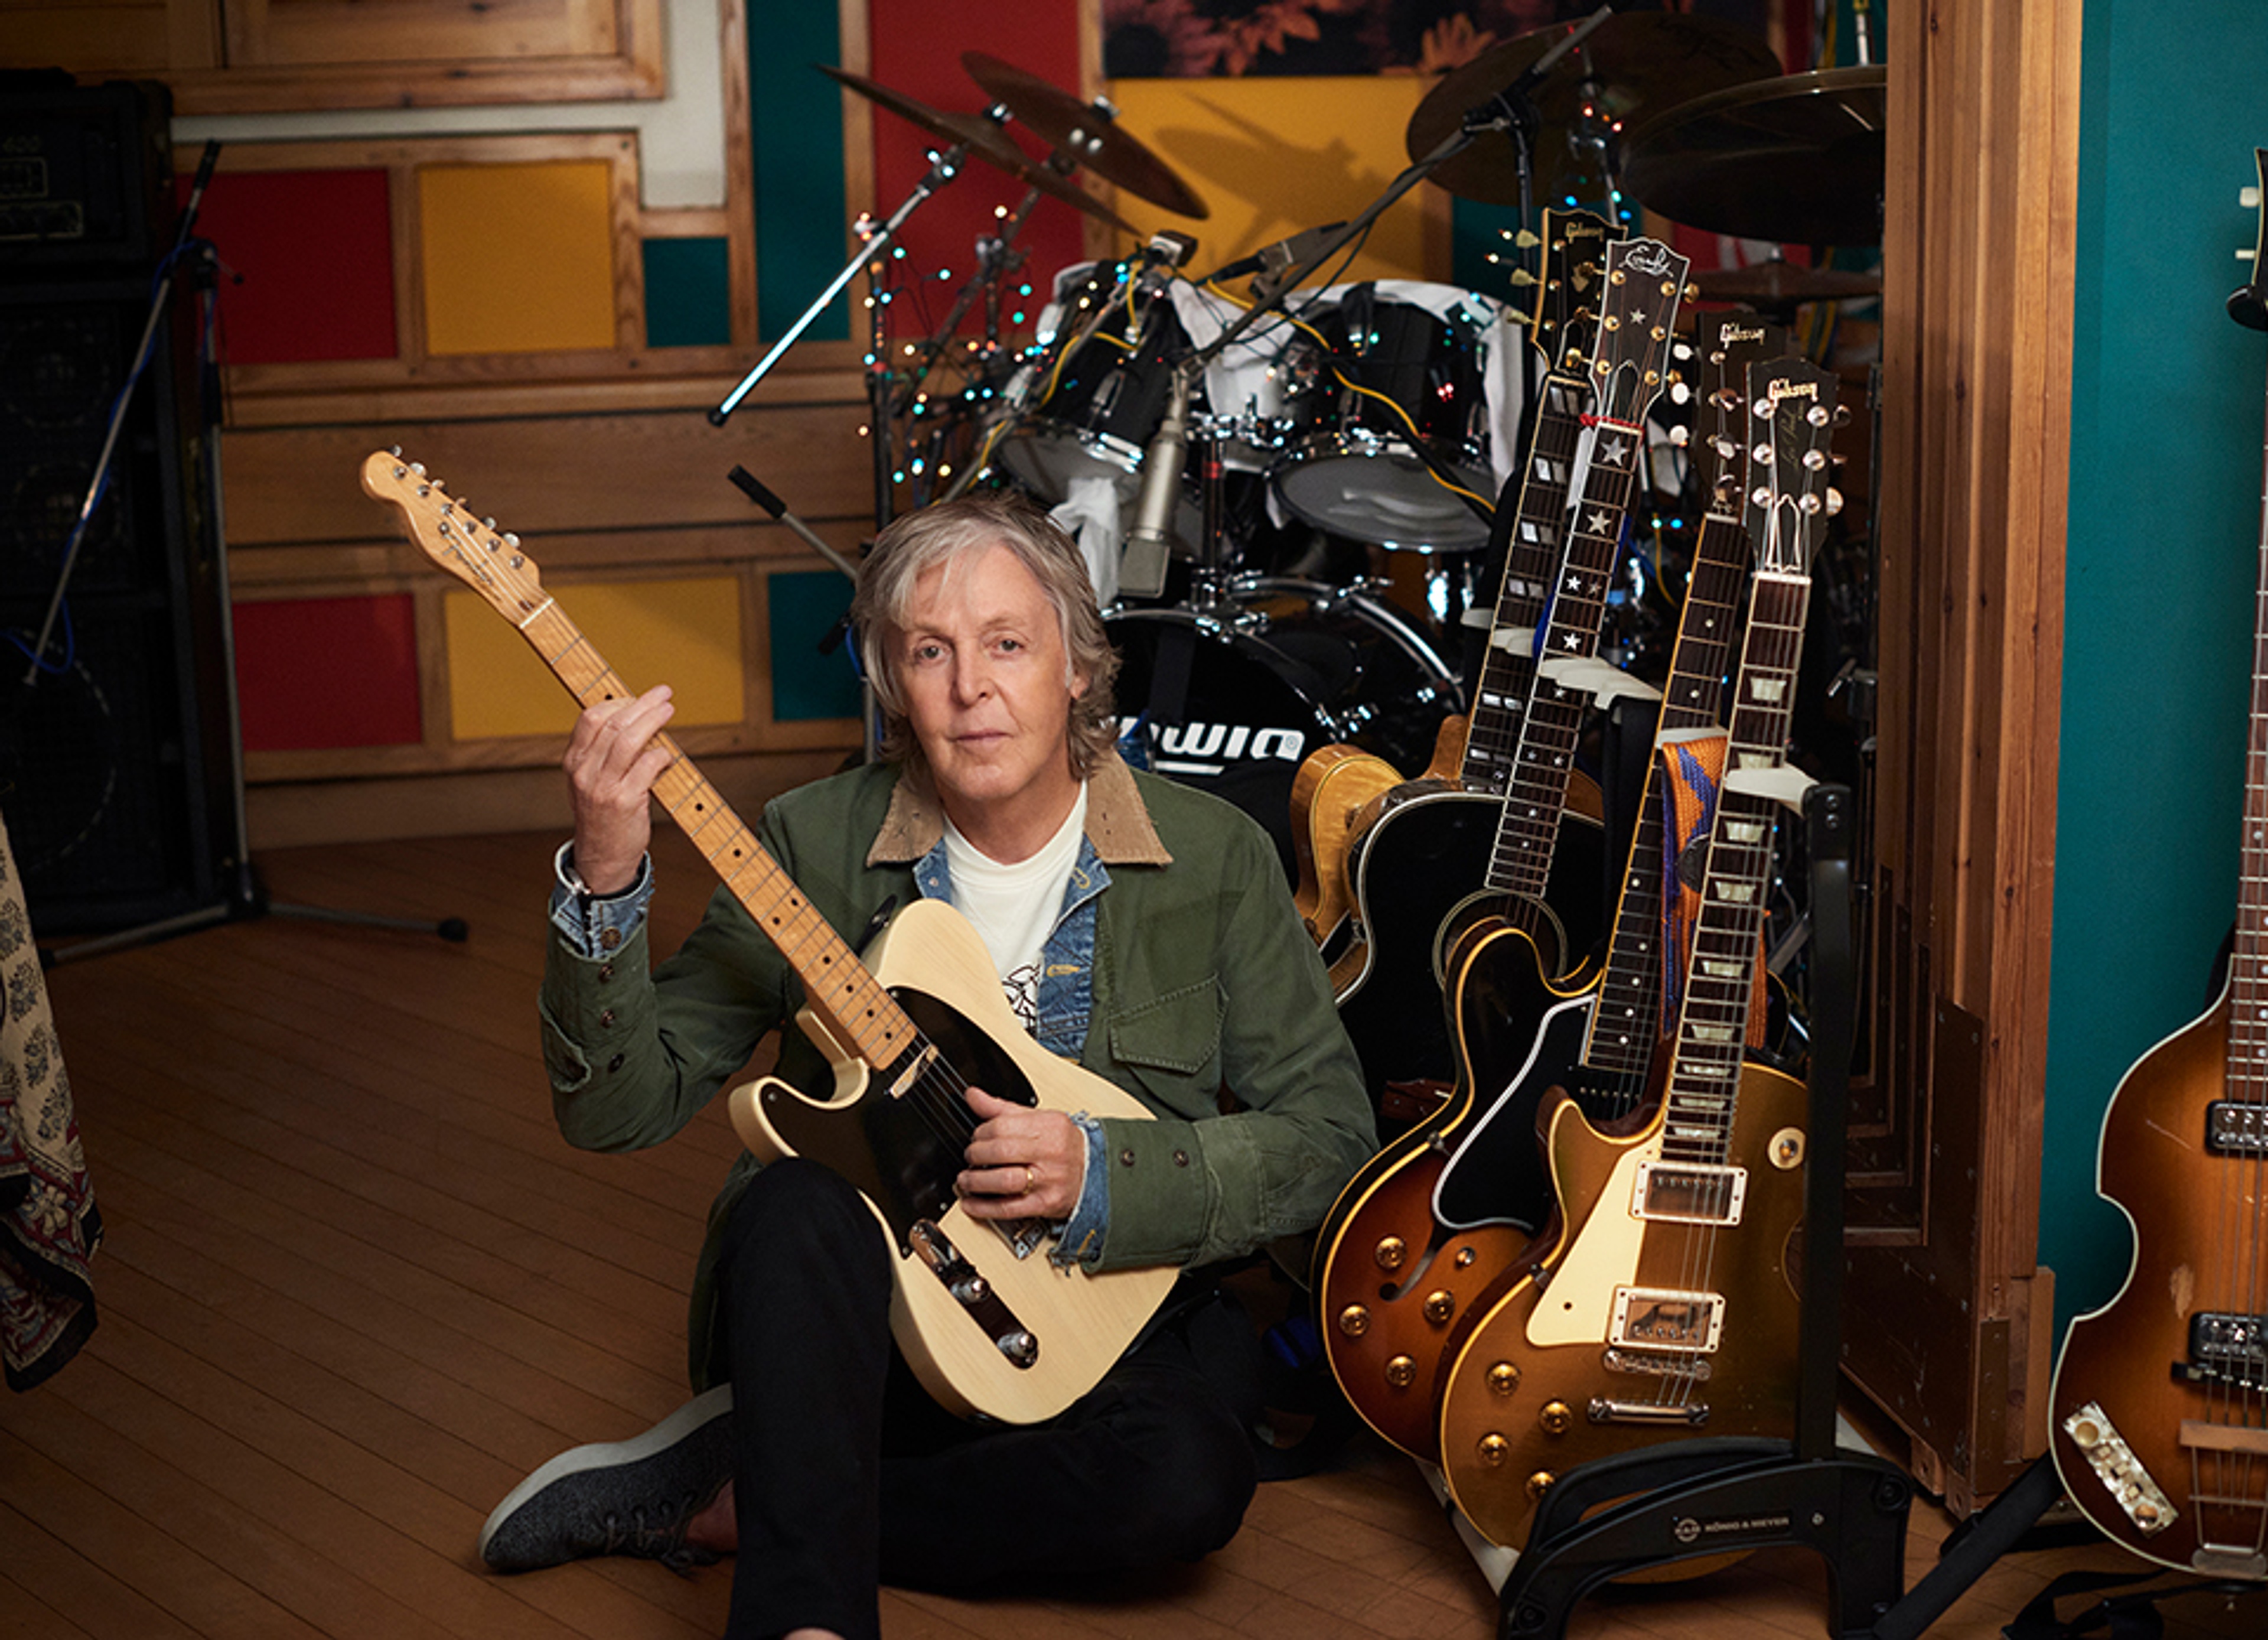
(1117, 823)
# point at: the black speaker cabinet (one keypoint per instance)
(116, 765)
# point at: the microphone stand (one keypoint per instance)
(1141, 570)
(944, 167)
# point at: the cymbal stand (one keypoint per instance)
(997, 258)
(944, 167)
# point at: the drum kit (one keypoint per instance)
(1240, 466)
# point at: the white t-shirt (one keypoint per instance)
(1014, 908)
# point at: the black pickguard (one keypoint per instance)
(902, 1154)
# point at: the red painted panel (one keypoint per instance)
(917, 51)
(320, 673)
(307, 263)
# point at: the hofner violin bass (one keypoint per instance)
(2158, 1419)
(988, 1323)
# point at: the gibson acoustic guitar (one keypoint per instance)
(2158, 1418)
(988, 1323)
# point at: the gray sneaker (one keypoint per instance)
(619, 1497)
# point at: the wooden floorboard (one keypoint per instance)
(355, 1286)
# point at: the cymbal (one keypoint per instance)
(1085, 132)
(1795, 160)
(984, 141)
(1784, 284)
(1641, 62)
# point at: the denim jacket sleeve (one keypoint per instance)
(1212, 1005)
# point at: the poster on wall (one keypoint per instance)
(1213, 39)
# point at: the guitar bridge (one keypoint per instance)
(1693, 1368)
(1693, 1416)
(974, 1294)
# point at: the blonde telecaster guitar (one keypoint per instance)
(991, 1325)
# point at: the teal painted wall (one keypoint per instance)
(2161, 558)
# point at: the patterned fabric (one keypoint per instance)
(1693, 771)
(48, 1223)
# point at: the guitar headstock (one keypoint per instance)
(1728, 344)
(490, 562)
(1644, 282)
(1570, 274)
(1791, 416)
(2248, 303)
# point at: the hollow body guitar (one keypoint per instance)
(1403, 855)
(988, 1323)
(1663, 1306)
(1395, 1264)
(1591, 1037)
(2158, 1416)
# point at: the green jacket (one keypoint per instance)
(1210, 1005)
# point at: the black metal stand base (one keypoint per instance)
(1706, 1497)
(247, 902)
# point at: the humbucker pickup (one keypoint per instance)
(2236, 1129)
(1689, 1193)
(1652, 1317)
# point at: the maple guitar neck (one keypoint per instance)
(842, 997)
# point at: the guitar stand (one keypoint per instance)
(1709, 1495)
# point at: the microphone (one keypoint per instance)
(1301, 247)
(1149, 544)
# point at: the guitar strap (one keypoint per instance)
(1693, 773)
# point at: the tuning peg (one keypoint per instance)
(2249, 196)
(1833, 501)
(1681, 436)
(1521, 278)
(1527, 238)
(1814, 461)
(1679, 393)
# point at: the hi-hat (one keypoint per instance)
(1085, 133)
(1640, 63)
(984, 141)
(1795, 160)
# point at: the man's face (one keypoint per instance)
(988, 693)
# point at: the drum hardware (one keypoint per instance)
(1634, 64)
(1795, 159)
(1085, 133)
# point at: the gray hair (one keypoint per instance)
(941, 534)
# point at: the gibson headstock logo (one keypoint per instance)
(1781, 388)
(1732, 331)
(1650, 256)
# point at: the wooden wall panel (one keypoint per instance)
(1977, 290)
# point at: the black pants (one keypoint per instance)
(848, 1475)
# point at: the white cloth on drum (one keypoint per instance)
(1239, 382)
(1090, 515)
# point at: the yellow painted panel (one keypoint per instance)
(684, 633)
(518, 258)
(1272, 156)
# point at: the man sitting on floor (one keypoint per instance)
(1139, 928)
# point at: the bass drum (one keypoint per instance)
(1391, 377)
(1237, 703)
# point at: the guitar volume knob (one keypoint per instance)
(1492, 1450)
(1354, 1320)
(1401, 1372)
(1504, 1377)
(1556, 1418)
(1440, 1304)
(1392, 1250)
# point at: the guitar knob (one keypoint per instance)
(1492, 1450)
(1541, 1481)
(1019, 1347)
(1392, 1250)
(1401, 1372)
(1354, 1320)
(1556, 1418)
(1440, 1306)
(1504, 1377)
